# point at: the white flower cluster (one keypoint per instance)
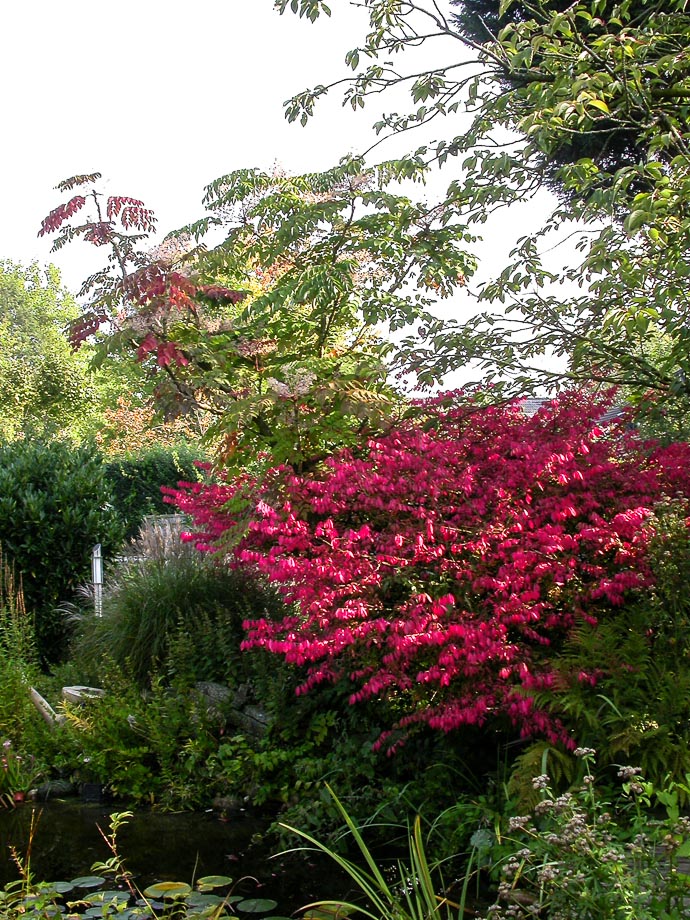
(297, 381)
(172, 250)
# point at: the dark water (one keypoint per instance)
(164, 847)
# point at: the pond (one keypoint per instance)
(164, 847)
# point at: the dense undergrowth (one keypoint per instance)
(193, 716)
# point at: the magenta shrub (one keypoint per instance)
(444, 564)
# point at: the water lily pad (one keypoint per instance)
(326, 913)
(168, 890)
(256, 905)
(60, 887)
(213, 881)
(202, 899)
(88, 881)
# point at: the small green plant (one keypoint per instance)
(22, 729)
(18, 772)
(416, 891)
(582, 854)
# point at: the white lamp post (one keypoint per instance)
(97, 579)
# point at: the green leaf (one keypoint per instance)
(635, 220)
(599, 104)
(167, 890)
(256, 905)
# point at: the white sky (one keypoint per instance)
(159, 96)
(162, 97)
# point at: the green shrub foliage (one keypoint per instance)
(136, 480)
(54, 506)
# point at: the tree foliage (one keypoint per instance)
(135, 479)
(273, 332)
(547, 81)
(445, 563)
(43, 386)
(481, 21)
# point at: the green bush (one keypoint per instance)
(624, 683)
(136, 481)
(54, 506)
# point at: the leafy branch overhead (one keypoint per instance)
(589, 97)
(322, 264)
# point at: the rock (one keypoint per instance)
(252, 719)
(53, 789)
(79, 693)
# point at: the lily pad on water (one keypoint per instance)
(256, 905)
(208, 882)
(200, 899)
(59, 887)
(333, 912)
(168, 890)
(88, 881)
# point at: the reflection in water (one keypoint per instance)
(158, 847)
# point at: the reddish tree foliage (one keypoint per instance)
(140, 292)
(444, 566)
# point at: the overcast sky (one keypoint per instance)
(162, 97)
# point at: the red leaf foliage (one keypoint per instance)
(166, 352)
(85, 326)
(98, 232)
(132, 213)
(444, 563)
(59, 215)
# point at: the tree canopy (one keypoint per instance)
(311, 270)
(548, 79)
(276, 331)
(481, 21)
(42, 383)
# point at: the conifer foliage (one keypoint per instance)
(443, 565)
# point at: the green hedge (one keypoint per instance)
(136, 480)
(55, 505)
